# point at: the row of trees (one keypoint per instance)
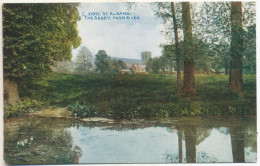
(85, 63)
(160, 64)
(204, 60)
(216, 32)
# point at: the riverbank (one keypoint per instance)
(131, 96)
(66, 114)
(53, 113)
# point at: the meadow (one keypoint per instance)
(131, 96)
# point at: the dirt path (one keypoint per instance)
(53, 113)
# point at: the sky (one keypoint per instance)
(120, 38)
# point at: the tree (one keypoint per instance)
(172, 22)
(116, 65)
(101, 62)
(213, 24)
(167, 63)
(35, 36)
(177, 47)
(235, 75)
(220, 56)
(203, 55)
(249, 53)
(84, 60)
(189, 80)
(122, 64)
(153, 65)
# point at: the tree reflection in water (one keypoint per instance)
(242, 136)
(40, 141)
(76, 154)
(64, 141)
(238, 145)
(180, 144)
(190, 141)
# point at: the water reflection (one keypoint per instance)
(190, 142)
(238, 145)
(180, 144)
(172, 140)
(37, 141)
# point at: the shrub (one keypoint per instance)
(84, 111)
(23, 106)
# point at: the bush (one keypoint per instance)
(84, 111)
(23, 106)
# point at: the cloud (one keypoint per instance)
(121, 38)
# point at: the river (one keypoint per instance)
(204, 139)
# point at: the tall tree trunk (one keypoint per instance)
(10, 91)
(235, 76)
(189, 80)
(177, 47)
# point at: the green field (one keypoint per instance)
(133, 96)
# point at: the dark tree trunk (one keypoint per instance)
(226, 68)
(177, 47)
(238, 145)
(236, 76)
(10, 91)
(189, 80)
(190, 135)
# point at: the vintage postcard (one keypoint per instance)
(129, 82)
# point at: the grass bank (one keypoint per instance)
(133, 96)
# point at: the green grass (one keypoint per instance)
(144, 95)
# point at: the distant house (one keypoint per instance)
(221, 71)
(211, 71)
(125, 71)
(201, 72)
(138, 68)
(136, 65)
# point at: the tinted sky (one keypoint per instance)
(120, 38)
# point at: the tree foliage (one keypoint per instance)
(116, 65)
(84, 62)
(36, 35)
(163, 63)
(163, 10)
(104, 64)
(101, 62)
(213, 25)
(249, 53)
(153, 65)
